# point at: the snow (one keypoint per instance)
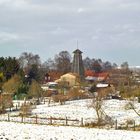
(17, 131)
(72, 110)
(80, 109)
(100, 85)
(116, 110)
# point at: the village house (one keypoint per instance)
(71, 79)
(96, 77)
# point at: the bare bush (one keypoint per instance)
(5, 102)
(130, 121)
(26, 109)
(76, 93)
(60, 98)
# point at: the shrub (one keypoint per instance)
(76, 93)
(131, 92)
(130, 121)
(5, 102)
(60, 98)
(95, 124)
(25, 109)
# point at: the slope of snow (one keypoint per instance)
(80, 109)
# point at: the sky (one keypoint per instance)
(106, 29)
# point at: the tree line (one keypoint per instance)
(22, 72)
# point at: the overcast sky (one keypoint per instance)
(106, 29)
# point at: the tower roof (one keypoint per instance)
(77, 51)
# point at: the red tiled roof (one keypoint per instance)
(89, 73)
(55, 75)
(102, 74)
(93, 74)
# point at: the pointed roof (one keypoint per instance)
(77, 51)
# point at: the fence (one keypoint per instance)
(128, 125)
(64, 122)
(45, 121)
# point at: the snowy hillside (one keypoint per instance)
(80, 109)
(72, 110)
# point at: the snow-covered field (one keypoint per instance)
(80, 109)
(73, 110)
(16, 131)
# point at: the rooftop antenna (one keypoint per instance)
(77, 44)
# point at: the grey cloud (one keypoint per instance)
(7, 37)
(99, 25)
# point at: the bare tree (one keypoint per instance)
(97, 106)
(107, 65)
(49, 65)
(97, 66)
(87, 63)
(125, 65)
(28, 59)
(63, 62)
